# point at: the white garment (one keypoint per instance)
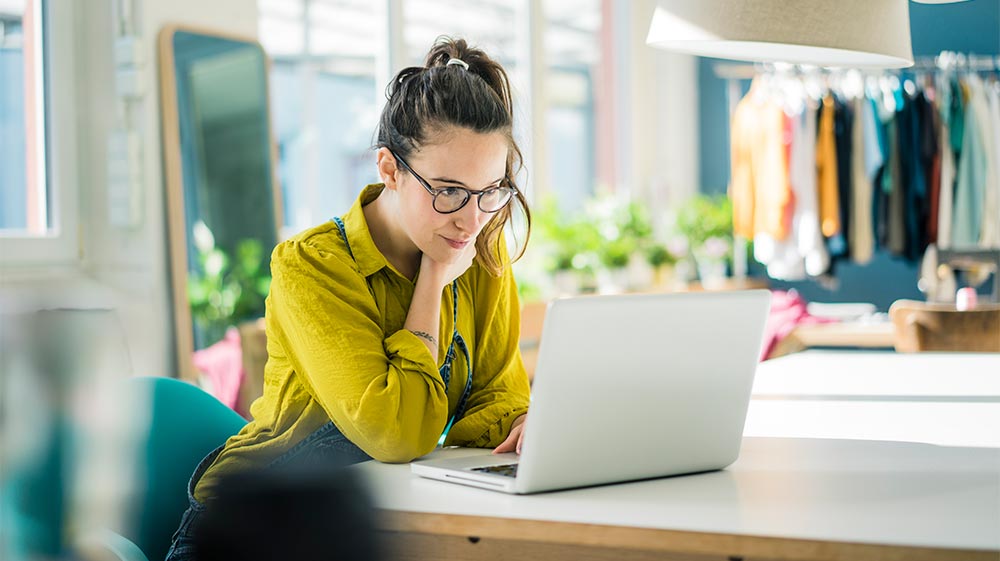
(802, 171)
(782, 257)
(990, 233)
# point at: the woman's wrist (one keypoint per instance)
(432, 276)
(425, 336)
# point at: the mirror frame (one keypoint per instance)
(173, 174)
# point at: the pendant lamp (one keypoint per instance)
(854, 33)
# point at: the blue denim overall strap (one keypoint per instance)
(456, 340)
(343, 234)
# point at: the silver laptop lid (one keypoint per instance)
(639, 386)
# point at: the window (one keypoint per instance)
(24, 197)
(487, 24)
(323, 95)
(572, 55)
(37, 113)
(326, 92)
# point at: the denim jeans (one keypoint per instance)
(324, 446)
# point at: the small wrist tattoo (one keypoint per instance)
(425, 335)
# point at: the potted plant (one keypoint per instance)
(569, 243)
(623, 229)
(225, 289)
(707, 223)
(662, 262)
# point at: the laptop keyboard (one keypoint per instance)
(507, 470)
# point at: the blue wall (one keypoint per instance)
(967, 27)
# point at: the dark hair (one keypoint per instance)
(424, 100)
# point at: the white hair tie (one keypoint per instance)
(458, 61)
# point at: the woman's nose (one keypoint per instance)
(471, 218)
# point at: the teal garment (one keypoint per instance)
(967, 215)
(956, 116)
(891, 151)
(875, 143)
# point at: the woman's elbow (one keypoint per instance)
(401, 451)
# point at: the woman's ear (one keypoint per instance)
(387, 167)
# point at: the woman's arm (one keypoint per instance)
(423, 318)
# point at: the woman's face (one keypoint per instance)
(459, 157)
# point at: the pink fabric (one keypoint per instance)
(222, 366)
(788, 310)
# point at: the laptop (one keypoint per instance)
(629, 387)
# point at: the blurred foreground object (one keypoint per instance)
(306, 513)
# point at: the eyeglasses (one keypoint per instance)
(451, 199)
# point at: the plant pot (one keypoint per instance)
(712, 273)
(612, 281)
(566, 282)
(663, 276)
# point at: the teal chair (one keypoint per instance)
(185, 424)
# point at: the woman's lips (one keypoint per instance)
(457, 244)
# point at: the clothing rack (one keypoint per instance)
(946, 61)
(950, 60)
(736, 75)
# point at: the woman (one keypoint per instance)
(396, 326)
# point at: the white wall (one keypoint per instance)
(123, 268)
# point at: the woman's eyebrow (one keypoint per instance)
(457, 182)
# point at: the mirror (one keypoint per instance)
(223, 198)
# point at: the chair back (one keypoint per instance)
(185, 424)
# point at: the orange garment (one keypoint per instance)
(788, 216)
(759, 186)
(826, 171)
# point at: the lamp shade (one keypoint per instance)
(856, 33)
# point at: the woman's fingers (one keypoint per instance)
(505, 446)
(511, 443)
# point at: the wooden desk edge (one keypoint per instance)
(476, 528)
(866, 336)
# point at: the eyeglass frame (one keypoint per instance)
(468, 192)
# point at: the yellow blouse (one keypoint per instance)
(337, 351)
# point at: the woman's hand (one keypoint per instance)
(513, 442)
(442, 273)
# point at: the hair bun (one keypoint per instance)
(446, 49)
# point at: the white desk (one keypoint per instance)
(939, 398)
(785, 498)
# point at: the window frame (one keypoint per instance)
(61, 246)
